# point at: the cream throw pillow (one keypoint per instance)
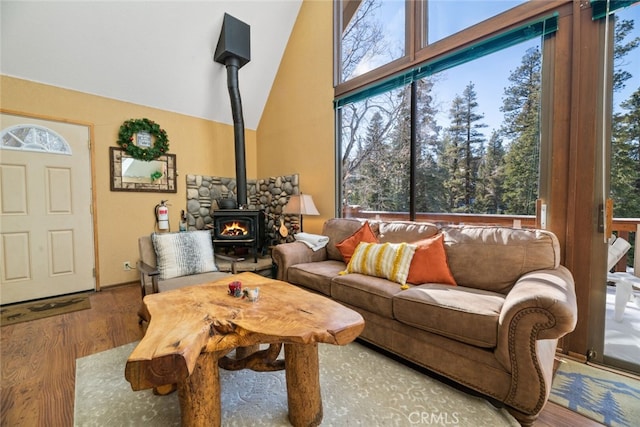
(183, 254)
(387, 260)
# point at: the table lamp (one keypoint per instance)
(300, 204)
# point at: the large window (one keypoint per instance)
(458, 134)
(625, 130)
(466, 12)
(373, 35)
(479, 135)
(624, 93)
(375, 153)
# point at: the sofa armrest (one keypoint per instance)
(147, 269)
(540, 308)
(541, 305)
(287, 254)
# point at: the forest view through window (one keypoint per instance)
(475, 129)
(467, 138)
(625, 135)
(625, 121)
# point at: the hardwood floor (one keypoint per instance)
(39, 357)
(38, 360)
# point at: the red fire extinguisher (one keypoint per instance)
(162, 216)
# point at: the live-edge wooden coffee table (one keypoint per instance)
(191, 330)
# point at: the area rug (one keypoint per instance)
(603, 396)
(39, 309)
(358, 385)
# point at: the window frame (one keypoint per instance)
(415, 54)
(481, 32)
(377, 73)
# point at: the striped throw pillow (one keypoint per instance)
(387, 260)
(183, 254)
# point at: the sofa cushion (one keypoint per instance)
(387, 260)
(183, 254)
(348, 246)
(464, 314)
(315, 275)
(429, 263)
(493, 258)
(405, 231)
(373, 294)
(338, 229)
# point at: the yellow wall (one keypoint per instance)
(201, 147)
(295, 134)
(296, 131)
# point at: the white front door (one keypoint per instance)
(46, 224)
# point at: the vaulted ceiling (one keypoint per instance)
(153, 53)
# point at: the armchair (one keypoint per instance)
(151, 280)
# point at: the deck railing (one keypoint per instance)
(627, 228)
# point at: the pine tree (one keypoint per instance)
(625, 162)
(491, 177)
(620, 50)
(429, 180)
(521, 127)
(473, 145)
(625, 137)
(399, 157)
(373, 167)
(450, 161)
(463, 150)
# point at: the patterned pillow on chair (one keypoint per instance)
(183, 254)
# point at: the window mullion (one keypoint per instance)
(413, 151)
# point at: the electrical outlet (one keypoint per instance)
(126, 266)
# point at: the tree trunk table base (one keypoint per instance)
(199, 394)
(191, 330)
(303, 384)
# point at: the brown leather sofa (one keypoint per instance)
(496, 332)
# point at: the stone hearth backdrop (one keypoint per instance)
(269, 195)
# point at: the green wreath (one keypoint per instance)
(131, 127)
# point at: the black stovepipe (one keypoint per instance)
(233, 64)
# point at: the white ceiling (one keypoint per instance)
(153, 53)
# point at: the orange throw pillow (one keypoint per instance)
(429, 263)
(348, 246)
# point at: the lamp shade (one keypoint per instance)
(301, 204)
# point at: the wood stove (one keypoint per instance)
(239, 227)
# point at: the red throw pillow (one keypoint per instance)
(429, 263)
(348, 246)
